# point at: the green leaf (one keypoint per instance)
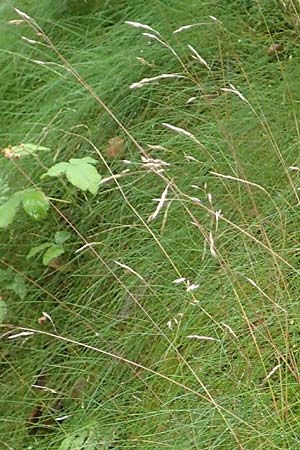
(18, 286)
(53, 252)
(83, 175)
(57, 169)
(8, 211)
(61, 237)
(35, 204)
(3, 311)
(82, 440)
(34, 250)
(86, 159)
(79, 172)
(27, 149)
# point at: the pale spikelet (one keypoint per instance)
(151, 162)
(22, 334)
(295, 168)
(187, 27)
(191, 286)
(229, 329)
(179, 280)
(48, 317)
(141, 25)
(40, 63)
(214, 19)
(194, 302)
(160, 204)
(114, 177)
(30, 41)
(87, 245)
(157, 147)
(16, 22)
(271, 373)
(218, 214)
(175, 321)
(190, 100)
(156, 38)
(209, 197)
(145, 63)
(22, 14)
(129, 269)
(182, 132)
(212, 245)
(201, 338)
(45, 388)
(190, 158)
(230, 177)
(198, 57)
(163, 76)
(234, 91)
(196, 200)
(58, 419)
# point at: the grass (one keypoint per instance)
(118, 367)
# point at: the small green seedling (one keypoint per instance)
(54, 249)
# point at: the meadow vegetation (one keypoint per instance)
(169, 316)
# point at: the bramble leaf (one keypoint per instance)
(8, 211)
(80, 172)
(57, 169)
(35, 204)
(53, 252)
(61, 236)
(18, 286)
(34, 250)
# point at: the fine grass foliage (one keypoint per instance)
(165, 313)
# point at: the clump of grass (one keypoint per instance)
(173, 320)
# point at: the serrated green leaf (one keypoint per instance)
(57, 169)
(80, 172)
(35, 204)
(8, 211)
(18, 286)
(83, 175)
(3, 311)
(34, 250)
(53, 252)
(61, 237)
